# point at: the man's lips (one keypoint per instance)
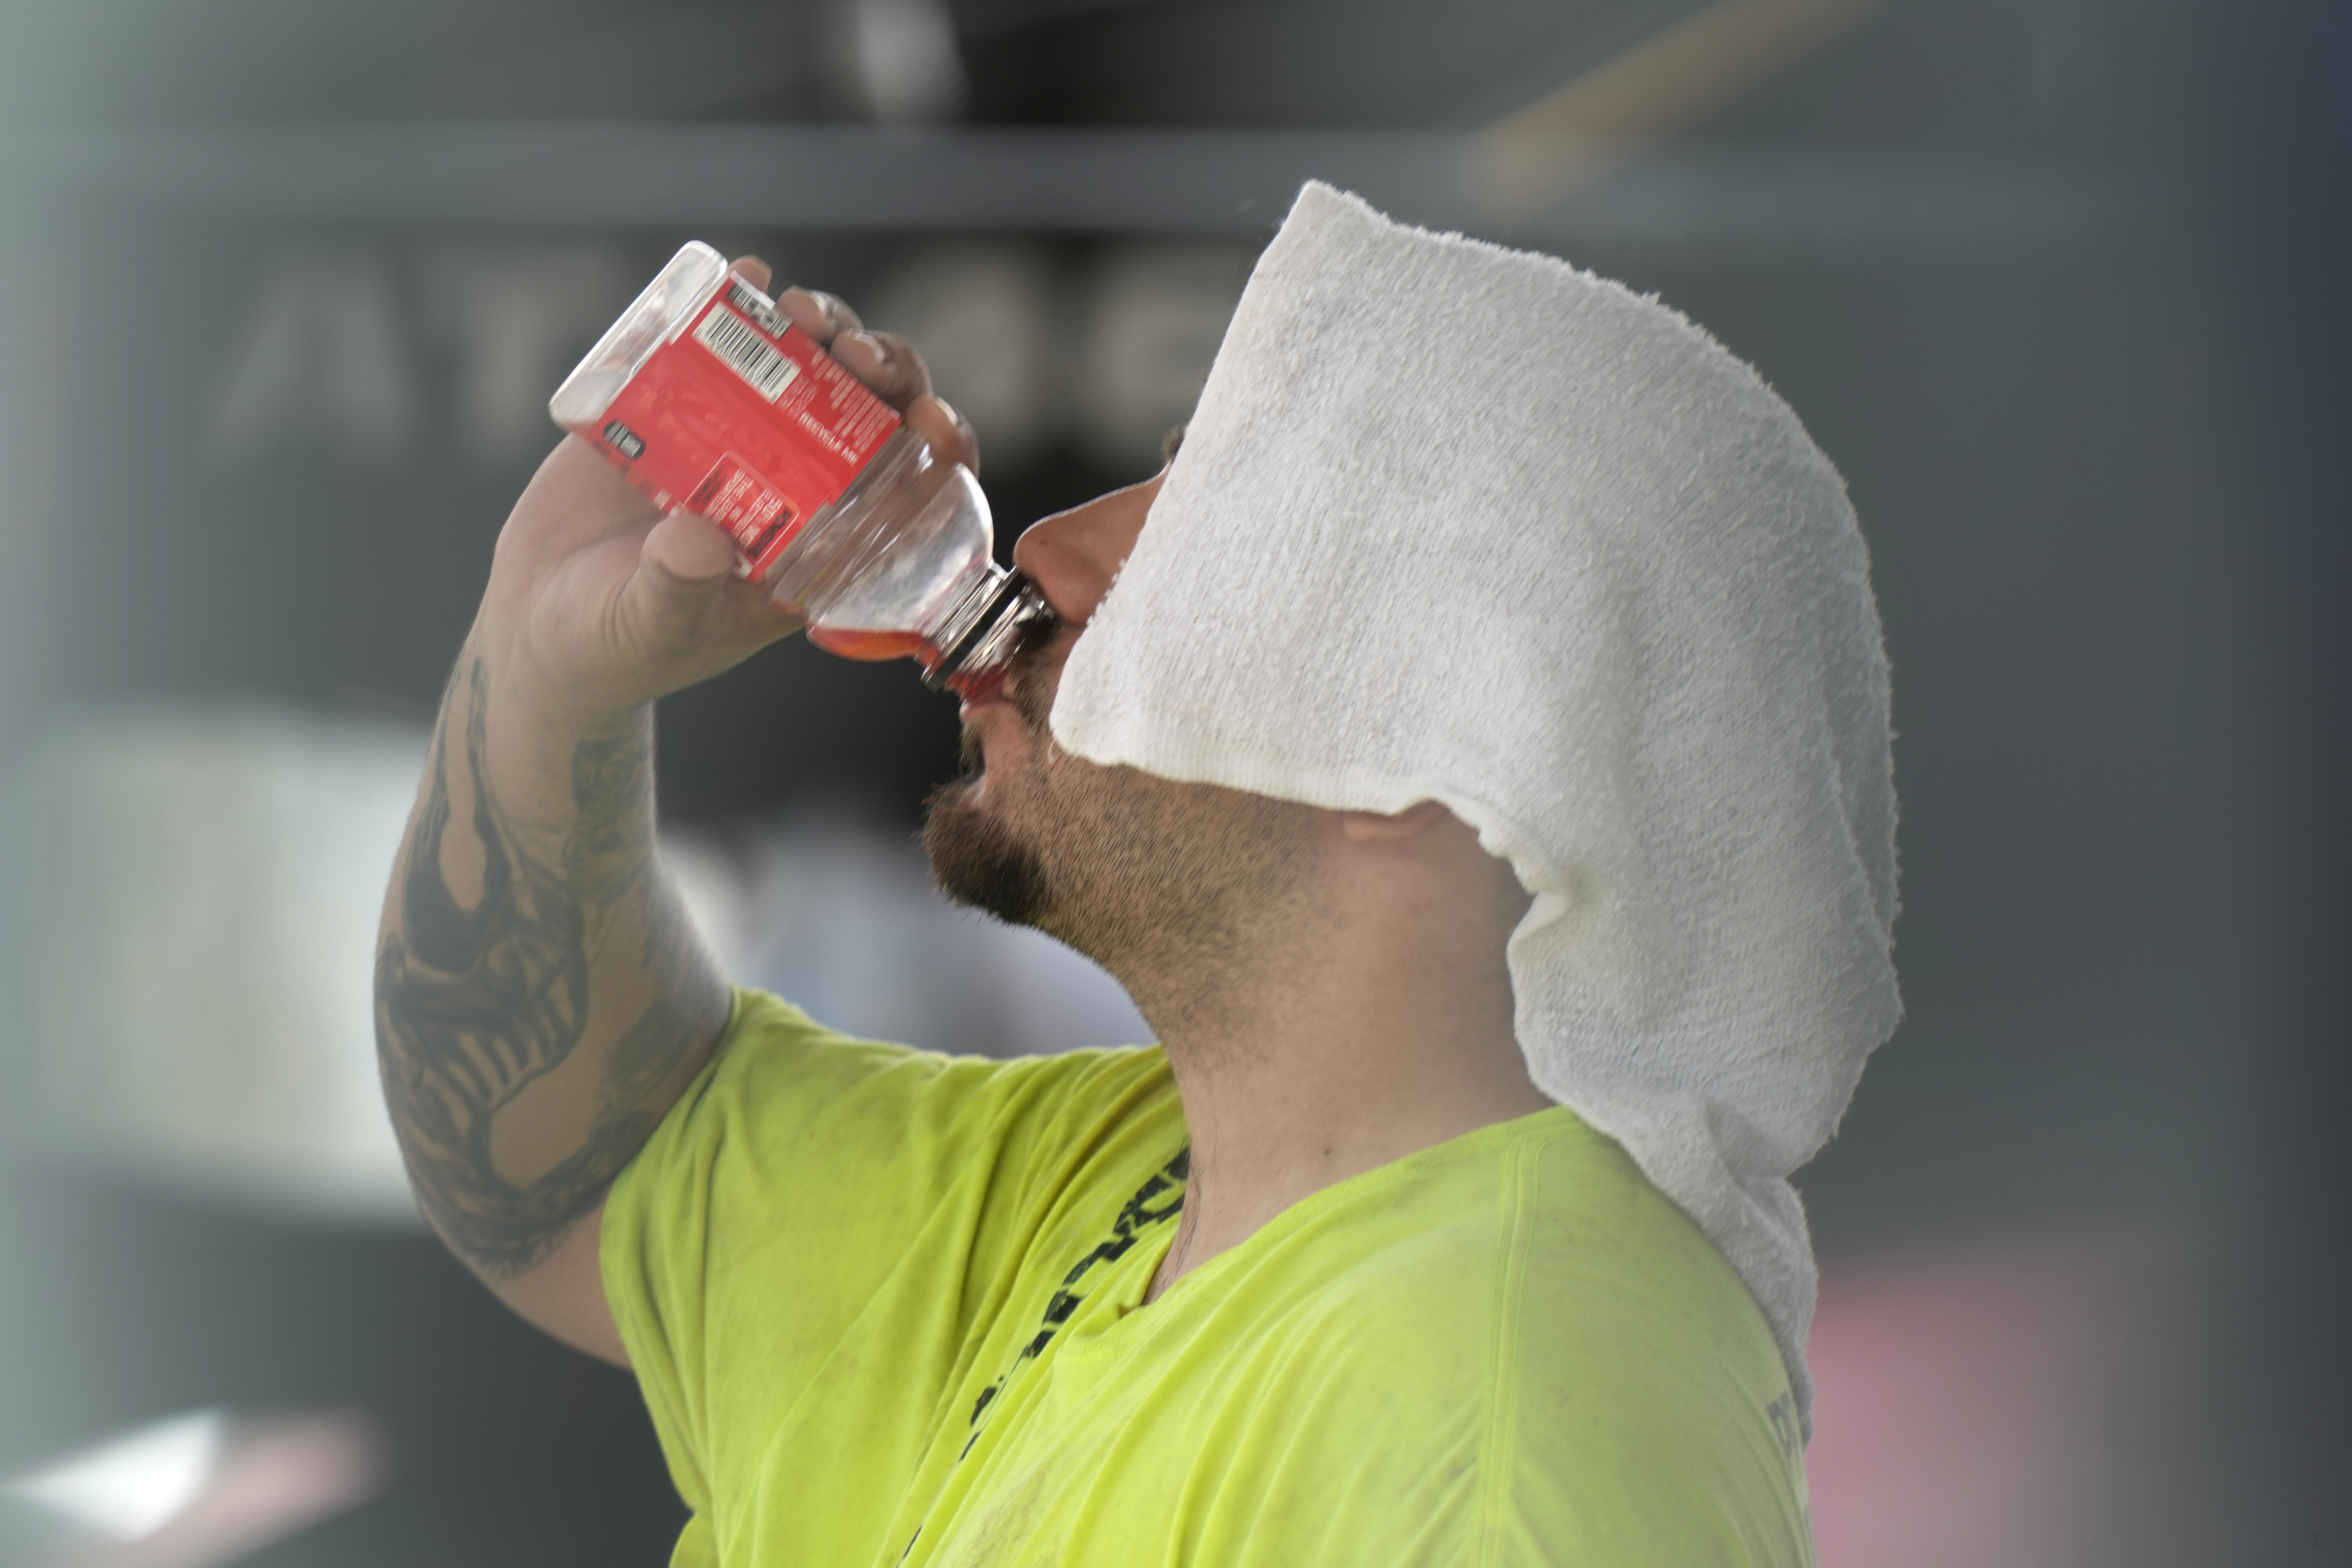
(982, 714)
(998, 686)
(993, 695)
(986, 724)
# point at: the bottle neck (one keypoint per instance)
(981, 631)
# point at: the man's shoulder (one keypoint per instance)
(1535, 1250)
(1485, 1212)
(1530, 1303)
(773, 1059)
(1524, 1313)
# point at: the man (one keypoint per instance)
(1483, 746)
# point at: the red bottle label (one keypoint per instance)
(744, 419)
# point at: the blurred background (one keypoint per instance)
(2058, 283)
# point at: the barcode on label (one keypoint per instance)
(747, 354)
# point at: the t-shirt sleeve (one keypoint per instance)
(836, 1222)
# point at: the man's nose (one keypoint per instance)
(1073, 555)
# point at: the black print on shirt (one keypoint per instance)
(1149, 1207)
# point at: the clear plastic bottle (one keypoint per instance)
(709, 400)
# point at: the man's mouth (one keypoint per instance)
(1019, 684)
(983, 691)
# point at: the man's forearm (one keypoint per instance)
(541, 995)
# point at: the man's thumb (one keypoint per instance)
(684, 562)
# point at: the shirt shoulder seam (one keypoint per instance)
(1496, 1445)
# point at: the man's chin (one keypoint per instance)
(976, 859)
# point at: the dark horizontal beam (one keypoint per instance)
(1194, 181)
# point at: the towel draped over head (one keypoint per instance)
(1460, 523)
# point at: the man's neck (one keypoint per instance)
(1332, 1054)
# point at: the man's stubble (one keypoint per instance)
(1182, 890)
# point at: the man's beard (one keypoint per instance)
(977, 861)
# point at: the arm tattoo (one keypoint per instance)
(474, 1005)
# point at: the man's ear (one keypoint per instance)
(1375, 828)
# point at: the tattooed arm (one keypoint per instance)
(542, 996)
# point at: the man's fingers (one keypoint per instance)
(884, 362)
(945, 429)
(819, 315)
(753, 270)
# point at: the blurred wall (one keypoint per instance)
(2057, 283)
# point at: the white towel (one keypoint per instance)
(1462, 523)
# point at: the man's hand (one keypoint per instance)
(597, 603)
(541, 995)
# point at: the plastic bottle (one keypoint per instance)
(709, 400)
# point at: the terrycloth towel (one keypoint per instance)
(1463, 523)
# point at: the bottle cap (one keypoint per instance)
(984, 627)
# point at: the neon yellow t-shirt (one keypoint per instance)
(887, 1309)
